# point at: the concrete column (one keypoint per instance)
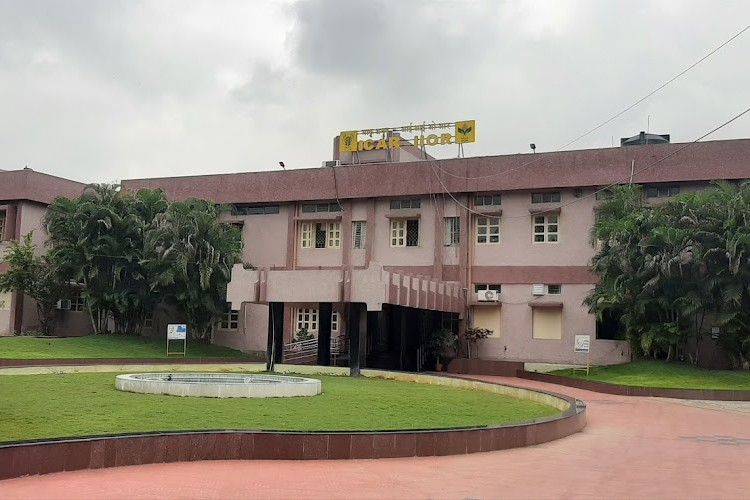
(357, 337)
(275, 347)
(324, 333)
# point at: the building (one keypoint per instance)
(371, 257)
(24, 197)
(382, 253)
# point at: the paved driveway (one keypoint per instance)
(631, 448)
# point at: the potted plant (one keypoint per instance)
(473, 336)
(439, 342)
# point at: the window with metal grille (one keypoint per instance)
(255, 209)
(545, 197)
(320, 234)
(553, 289)
(359, 234)
(485, 200)
(77, 302)
(604, 194)
(452, 231)
(546, 228)
(488, 230)
(405, 232)
(309, 208)
(662, 191)
(231, 319)
(307, 319)
(411, 203)
(481, 287)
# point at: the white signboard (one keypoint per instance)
(582, 343)
(176, 332)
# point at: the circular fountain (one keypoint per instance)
(219, 385)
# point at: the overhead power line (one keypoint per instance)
(605, 122)
(620, 181)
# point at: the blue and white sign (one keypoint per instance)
(176, 332)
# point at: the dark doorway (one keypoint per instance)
(610, 327)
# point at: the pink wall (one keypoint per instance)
(515, 342)
(516, 245)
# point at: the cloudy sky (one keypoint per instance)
(109, 90)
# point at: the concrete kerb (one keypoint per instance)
(42, 456)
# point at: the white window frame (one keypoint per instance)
(307, 318)
(333, 235)
(481, 287)
(451, 231)
(308, 234)
(553, 289)
(546, 226)
(546, 197)
(359, 234)
(400, 234)
(335, 322)
(484, 226)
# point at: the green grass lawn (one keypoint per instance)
(654, 373)
(36, 406)
(104, 346)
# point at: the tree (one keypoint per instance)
(38, 277)
(99, 239)
(195, 253)
(664, 269)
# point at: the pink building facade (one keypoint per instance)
(379, 254)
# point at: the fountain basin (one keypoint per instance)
(219, 385)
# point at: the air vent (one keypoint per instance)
(537, 290)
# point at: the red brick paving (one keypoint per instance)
(631, 448)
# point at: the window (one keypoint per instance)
(546, 228)
(662, 191)
(359, 234)
(399, 204)
(310, 208)
(481, 287)
(77, 302)
(320, 235)
(553, 289)
(545, 197)
(255, 209)
(486, 200)
(231, 319)
(488, 230)
(546, 323)
(148, 320)
(334, 322)
(2, 224)
(405, 232)
(452, 234)
(449, 321)
(307, 319)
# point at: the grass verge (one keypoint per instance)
(105, 346)
(38, 406)
(654, 373)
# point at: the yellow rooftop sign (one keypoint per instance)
(463, 132)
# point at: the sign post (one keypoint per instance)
(582, 344)
(177, 332)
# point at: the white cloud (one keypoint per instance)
(101, 90)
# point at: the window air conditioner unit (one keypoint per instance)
(487, 296)
(331, 163)
(537, 290)
(63, 305)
